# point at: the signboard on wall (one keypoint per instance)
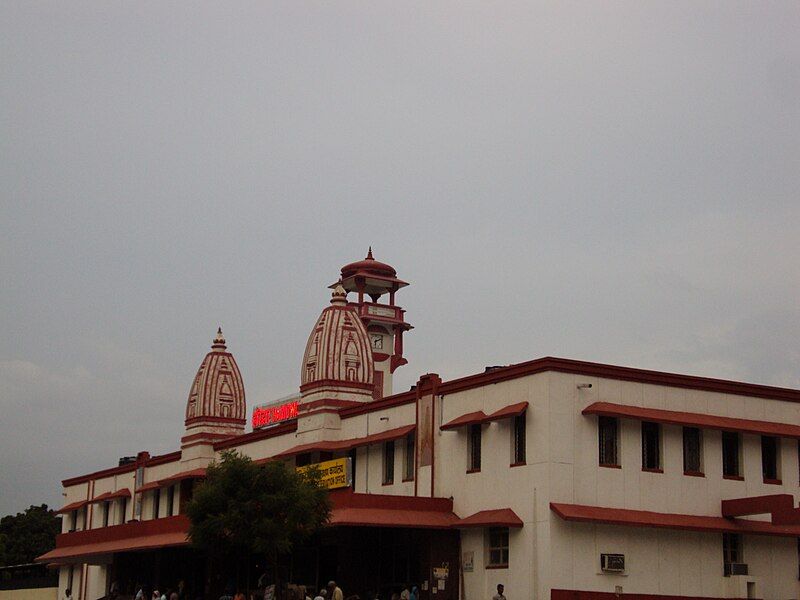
(267, 415)
(468, 561)
(334, 474)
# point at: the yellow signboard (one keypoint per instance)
(336, 473)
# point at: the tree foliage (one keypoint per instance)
(28, 534)
(243, 508)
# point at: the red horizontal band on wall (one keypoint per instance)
(72, 506)
(126, 493)
(500, 517)
(478, 417)
(642, 518)
(673, 417)
(587, 595)
(344, 445)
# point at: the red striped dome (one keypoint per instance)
(338, 351)
(217, 392)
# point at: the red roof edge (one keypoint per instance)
(672, 417)
(339, 445)
(472, 418)
(499, 517)
(257, 435)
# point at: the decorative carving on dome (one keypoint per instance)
(217, 392)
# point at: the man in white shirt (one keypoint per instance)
(499, 595)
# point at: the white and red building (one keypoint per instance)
(560, 479)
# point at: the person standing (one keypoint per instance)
(68, 594)
(334, 591)
(499, 595)
(405, 594)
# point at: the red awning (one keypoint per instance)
(193, 474)
(500, 517)
(383, 510)
(643, 518)
(125, 493)
(70, 553)
(72, 506)
(344, 445)
(153, 485)
(512, 410)
(672, 417)
(473, 418)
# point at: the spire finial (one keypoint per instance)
(369, 254)
(339, 295)
(219, 341)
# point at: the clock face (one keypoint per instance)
(377, 341)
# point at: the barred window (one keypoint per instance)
(692, 461)
(651, 445)
(730, 454)
(408, 475)
(170, 500)
(474, 447)
(388, 463)
(519, 439)
(769, 457)
(732, 548)
(607, 438)
(498, 547)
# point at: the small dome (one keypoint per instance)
(338, 351)
(368, 265)
(217, 393)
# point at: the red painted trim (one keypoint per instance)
(205, 435)
(383, 403)
(211, 419)
(757, 505)
(641, 518)
(773, 481)
(519, 464)
(644, 470)
(303, 408)
(733, 477)
(496, 567)
(164, 459)
(473, 418)
(500, 517)
(609, 466)
(256, 436)
(694, 474)
(588, 595)
(342, 445)
(128, 468)
(335, 384)
(379, 356)
(469, 471)
(672, 417)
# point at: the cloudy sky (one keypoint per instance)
(616, 181)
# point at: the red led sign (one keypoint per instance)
(264, 416)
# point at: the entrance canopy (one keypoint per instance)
(378, 510)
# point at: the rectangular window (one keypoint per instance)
(73, 521)
(730, 454)
(170, 500)
(388, 463)
(85, 518)
(608, 440)
(770, 452)
(106, 512)
(156, 502)
(519, 440)
(408, 472)
(498, 547)
(651, 446)
(731, 550)
(123, 509)
(474, 448)
(692, 454)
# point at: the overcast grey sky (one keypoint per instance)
(610, 181)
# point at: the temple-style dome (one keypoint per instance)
(368, 266)
(338, 353)
(217, 395)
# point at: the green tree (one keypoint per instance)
(28, 534)
(243, 509)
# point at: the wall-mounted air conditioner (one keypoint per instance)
(612, 563)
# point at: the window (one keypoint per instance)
(607, 438)
(170, 500)
(651, 446)
(519, 440)
(770, 447)
(123, 504)
(474, 448)
(388, 463)
(692, 454)
(408, 472)
(730, 454)
(498, 547)
(106, 512)
(731, 550)
(73, 521)
(156, 502)
(353, 454)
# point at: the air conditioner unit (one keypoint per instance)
(612, 563)
(735, 569)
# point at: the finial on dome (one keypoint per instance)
(369, 254)
(339, 295)
(219, 341)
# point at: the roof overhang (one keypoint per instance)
(344, 445)
(124, 493)
(379, 510)
(500, 517)
(72, 506)
(479, 417)
(703, 421)
(642, 518)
